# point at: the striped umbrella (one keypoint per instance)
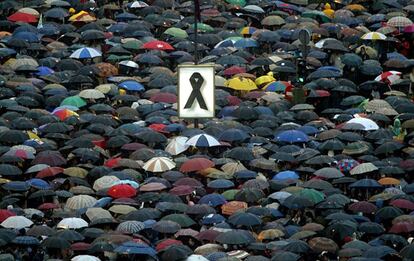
(104, 182)
(159, 164)
(399, 21)
(177, 145)
(80, 201)
(130, 227)
(373, 36)
(85, 53)
(203, 140)
(72, 223)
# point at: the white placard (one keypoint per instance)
(190, 103)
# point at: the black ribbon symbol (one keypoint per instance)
(196, 81)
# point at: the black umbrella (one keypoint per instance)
(56, 243)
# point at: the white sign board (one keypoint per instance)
(196, 91)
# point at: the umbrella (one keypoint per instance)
(85, 53)
(16, 222)
(159, 164)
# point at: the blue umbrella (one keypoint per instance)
(262, 110)
(102, 202)
(213, 219)
(246, 43)
(26, 36)
(245, 174)
(44, 70)
(220, 184)
(233, 134)
(39, 184)
(292, 136)
(117, 28)
(286, 175)
(16, 186)
(227, 111)
(213, 200)
(26, 240)
(4, 52)
(126, 17)
(277, 86)
(57, 13)
(49, 29)
(131, 247)
(366, 184)
(174, 127)
(131, 85)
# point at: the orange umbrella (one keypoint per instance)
(389, 181)
(232, 207)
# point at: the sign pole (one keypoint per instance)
(196, 19)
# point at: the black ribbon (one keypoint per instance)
(196, 81)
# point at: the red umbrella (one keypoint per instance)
(133, 146)
(254, 95)
(112, 163)
(363, 207)
(234, 70)
(49, 172)
(166, 243)
(403, 203)
(188, 182)
(323, 93)
(196, 164)
(47, 206)
(157, 45)
(208, 235)
(182, 190)
(4, 214)
(122, 191)
(233, 100)
(80, 246)
(22, 17)
(158, 127)
(164, 97)
(402, 227)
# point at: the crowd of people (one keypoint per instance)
(310, 155)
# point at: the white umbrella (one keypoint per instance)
(80, 201)
(159, 164)
(130, 227)
(367, 123)
(85, 53)
(363, 168)
(85, 258)
(16, 222)
(72, 223)
(196, 258)
(91, 94)
(94, 213)
(203, 140)
(104, 182)
(130, 64)
(177, 145)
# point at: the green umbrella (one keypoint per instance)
(230, 194)
(182, 219)
(313, 195)
(317, 14)
(203, 27)
(118, 58)
(176, 32)
(273, 20)
(237, 2)
(73, 101)
(134, 45)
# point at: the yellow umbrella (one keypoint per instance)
(355, 7)
(265, 79)
(82, 16)
(33, 135)
(241, 84)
